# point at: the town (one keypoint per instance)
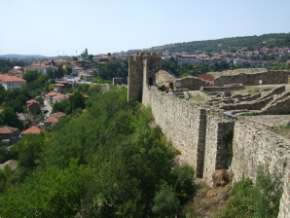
(145, 109)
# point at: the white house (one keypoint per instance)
(11, 82)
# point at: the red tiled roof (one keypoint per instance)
(7, 130)
(8, 78)
(31, 101)
(32, 130)
(54, 118)
(51, 94)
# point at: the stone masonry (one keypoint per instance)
(208, 139)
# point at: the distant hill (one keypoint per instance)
(228, 44)
(17, 57)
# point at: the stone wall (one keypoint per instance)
(198, 134)
(190, 83)
(218, 139)
(203, 137)
(135, 78)
(268, 77)
(255, 145)
(284, 210)
(179, 121)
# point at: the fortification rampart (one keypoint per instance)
(197, 133)
(208, 140)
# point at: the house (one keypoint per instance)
(54, 97)
(33, 106)
(53, 119)
(9, 135)
(43, 67)
(59, 87)
(11, 82)
(33, 130)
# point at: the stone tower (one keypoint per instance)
(142, 69)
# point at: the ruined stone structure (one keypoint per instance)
(254, 76)
(209, 139)
(190, 83)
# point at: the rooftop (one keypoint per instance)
(8, 78)
(7, 130)
(34, 130)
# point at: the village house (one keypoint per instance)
(54, 97)
(16, 71)
(9, 135)
(42, 67)
(33, 130)
(59, 87)
(54, 118)
(11, 82)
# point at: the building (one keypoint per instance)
(59, 87)
(9, 135)
(43, 67)
(33, 130)
(54, 97)
(53, 119)
(11, 82)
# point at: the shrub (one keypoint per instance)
(260, 200)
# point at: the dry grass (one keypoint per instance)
(208, 202)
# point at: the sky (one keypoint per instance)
(67, 27)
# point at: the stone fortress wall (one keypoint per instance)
(209, 140)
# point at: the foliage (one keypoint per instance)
(75, 102)
(173, 67)
(259, 200)
(105, 162)
(166, 203)
(113, 68)
(9, 117)
(6, 64)
(28, 150)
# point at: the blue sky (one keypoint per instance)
(56, 27)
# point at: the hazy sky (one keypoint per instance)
(56, 27)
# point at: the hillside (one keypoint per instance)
(228, 44)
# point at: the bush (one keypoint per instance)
(105, 162)
(166, 203)
(259, 200)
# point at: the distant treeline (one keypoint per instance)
(229, 44)
(7, 64)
